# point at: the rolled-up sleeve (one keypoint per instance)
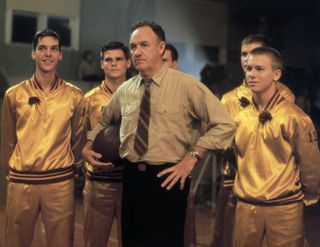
(109, 115)
(208, 108)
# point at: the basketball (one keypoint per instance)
(107, 143)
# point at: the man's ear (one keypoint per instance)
(277, 74)
(33, 54)
(162, 46)
(128, 63)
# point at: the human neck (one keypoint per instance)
(45, 80)
(113, 84)
(262, 99)
(148, 74)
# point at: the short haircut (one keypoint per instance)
(174, 52)
(256, 38)
(115, 45)
(157, 29)
(276, 58)
(45, 33)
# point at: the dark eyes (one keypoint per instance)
(143, 45)
(117, 59)
(244, 54)
(249, 68)
(44, 48)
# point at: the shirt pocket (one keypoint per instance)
(166, 117)
(129, 118)
(166, 110)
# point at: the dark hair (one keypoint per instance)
(157, 29)
(256, 38)
(45, 33)
(276, 58)
(174, 52)
(115, 45)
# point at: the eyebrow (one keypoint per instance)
(50, 46)
(111, 58)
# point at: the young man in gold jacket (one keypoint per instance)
(103, 188)
(235, 101)
(42, 135)
(278, 160)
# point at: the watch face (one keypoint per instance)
(195, 154)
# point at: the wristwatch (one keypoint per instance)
(195, 154)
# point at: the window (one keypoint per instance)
(62, 27)
(22, 25)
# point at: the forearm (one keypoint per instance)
(220, 127)
(91, 135)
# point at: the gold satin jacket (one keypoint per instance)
(278, 160)
(179, 103)
(96, 99)
(42, 134)
(235, 101)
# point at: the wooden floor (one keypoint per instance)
(204, 224)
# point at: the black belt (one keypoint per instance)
(145, 167)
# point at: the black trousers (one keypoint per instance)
(152, 216)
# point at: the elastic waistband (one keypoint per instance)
(41, 177)
(104, 177)
(266, 204)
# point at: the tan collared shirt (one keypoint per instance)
(44, 134)
(179, 103)
(278, 161)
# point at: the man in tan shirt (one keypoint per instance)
(156, 183)
(103, 188)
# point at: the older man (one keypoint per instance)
(161, 112)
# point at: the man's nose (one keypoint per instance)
(137, 51)
(48, 52)
(246, 59)
(251, 73)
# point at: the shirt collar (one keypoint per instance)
(157, 78)
(274, 100)
(104, 87)
(244, 83)
(57, 82)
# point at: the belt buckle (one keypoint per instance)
(142, 167)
